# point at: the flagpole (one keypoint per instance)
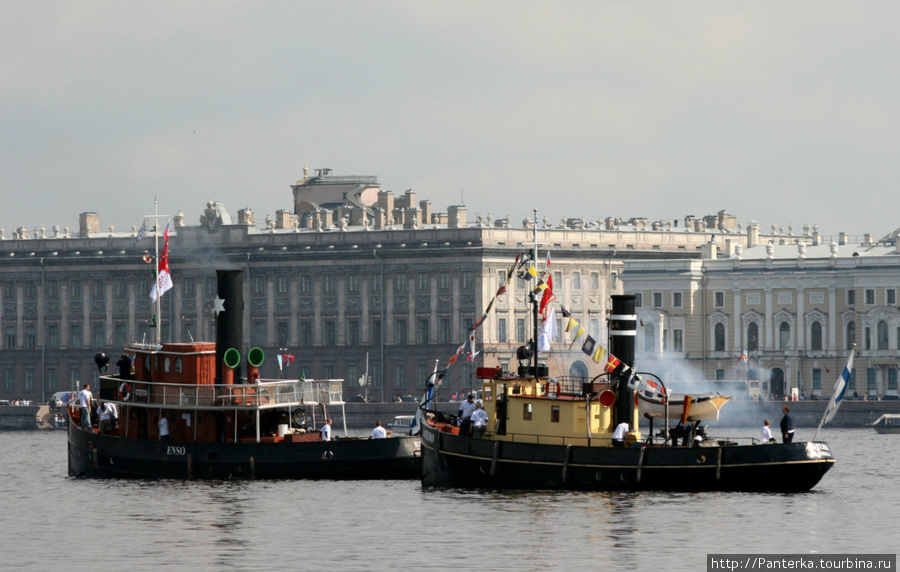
(534, 303)
(157, 335)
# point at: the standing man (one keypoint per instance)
(787, 425)
(84, 401)
(618, 438)
(479, 420)
(326, 430)
(378, 432)
(163, 428)
(465, 414)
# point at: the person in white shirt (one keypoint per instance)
(103, 414)
(163, 428)
(378, 432)
(84, 401)
(113, 415)
(618, 438)
(465, 413)
(765, 435)
(326, 430)
(479, 420)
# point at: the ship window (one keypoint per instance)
(554, 414)
(178, 365)
(155, 363)
(488, 393)
(167, 365)
(526, 412)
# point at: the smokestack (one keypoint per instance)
(229, 323)
(622, 331)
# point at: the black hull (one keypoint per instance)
(104, 456)
(463, 462)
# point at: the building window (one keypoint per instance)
(30, 290)
(446, 281)
(815, 336)
(119, 332)
(501, 330)
(53, 289)
(284, 334)
(376, 375)
(657, 299)
(520, 330)
(851, 384)
(328, 371)
(870, 296)
(719, 300)
(75, 290)
(867, 341)
(122, 288)
(282, 284)
(97, 289)
(595, 281)
(676, 299)
(638, 300)
(330, 333)
(30, 337)
(210, 286)
(353, 333)
(400, 376)
(752, 337)
(353, 283)
(421, 374)
(259, 333)
(890, 296)
(871, 384)
(851, 334)
(188, 286)
(720, 374)
(375, 282)
(328, 285)
(422, 331)
(719, 335)
(882, 335)
(892, 379)
(400, 333)
(678, 340)
(376, 332)
(9, 379)
(423, 284)
(9, 290)
(75, 336)
(52, 381)
(446, 333)
(29, 379)
(851, 297)
(649, 338)
(98, 336)
(306, 284)
(259, 285)
(10, 337)
(576, 280)
(817, 379)
(306, 339)
(53, 337)
(784, 335)
(468, 282)
(400, 282)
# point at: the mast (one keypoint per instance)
(157, 305)
(532, 297)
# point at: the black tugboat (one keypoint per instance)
(557, 433)
(222, 425)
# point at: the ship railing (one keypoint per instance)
(265, 394)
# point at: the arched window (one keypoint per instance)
(815, 336)
(784, 335)
(578, 369)
(649, 338)
(851, 334)
(752, 337)
(882, 335)
(720, 337)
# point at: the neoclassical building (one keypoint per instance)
(355, 279)
(796, 308)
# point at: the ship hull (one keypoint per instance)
(94, 455)
(455, 461)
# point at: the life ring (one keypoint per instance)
(124, 391)
(553, 388)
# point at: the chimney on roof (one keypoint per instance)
(89, 223)
(457, 216)
(425, 207)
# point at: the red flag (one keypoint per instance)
(547, 297)
(612, 364)
(163, 278)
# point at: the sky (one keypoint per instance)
(778, 112)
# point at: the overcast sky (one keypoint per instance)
(784, 112)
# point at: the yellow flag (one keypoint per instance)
(599, 354)
(572, 323)
(578, 333)
(533, 272)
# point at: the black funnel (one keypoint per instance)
(229, 324)
(622, 331)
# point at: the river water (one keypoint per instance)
(52, 521)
